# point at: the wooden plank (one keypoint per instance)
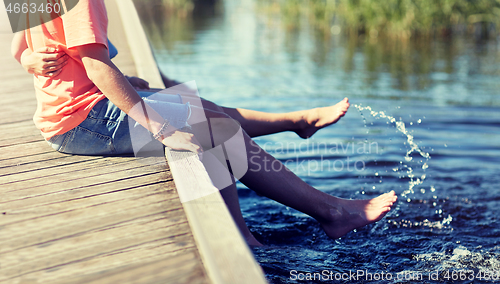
(12, 112)
(23, 150)
(39, 162)
(27, 123)
(175, 269)
(97, 241)
(71, 175)
(225, 255)
(94, 237)
(219, 246)
(69, 184)
(117, 35)
(84, 219)
(126, 250)
(77, 170)
(19, 130)
(9, 117)
(49, 199)
(139, 45)
(31, 247)
(17, 140)
(163, 252)
(91, 213)
(115, 219)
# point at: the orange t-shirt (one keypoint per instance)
(64, 101)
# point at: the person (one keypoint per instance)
(48, 61)
(83, 108)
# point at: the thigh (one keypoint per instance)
(168, 95)
(161, 95)
(107, 130)
(212, 128)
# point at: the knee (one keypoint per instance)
(211, 114)
(222, 122)
(222, 126)
(211, 106)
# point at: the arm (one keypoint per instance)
(18, 45)
(138, 83)
(45, 61)
(118, 90)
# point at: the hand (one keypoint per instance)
(45, 61)
(180, 140)
(138, 83)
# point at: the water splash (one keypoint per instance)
(413, 147)
(459, 257)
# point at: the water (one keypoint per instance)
(443, 94)
(413, 148)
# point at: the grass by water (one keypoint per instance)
(397, 18)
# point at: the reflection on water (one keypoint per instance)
(229, 38)
(446, 91)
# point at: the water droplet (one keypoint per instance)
(411, 145)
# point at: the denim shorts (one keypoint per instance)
(107, 130)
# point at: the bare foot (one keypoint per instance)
(348, 215)
(314, 119)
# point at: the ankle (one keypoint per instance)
(295, 121)
(328, 212)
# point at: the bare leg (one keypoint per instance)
(268, 177)
(305, 123)
(257, 123)
(337, 216)
(230, 196)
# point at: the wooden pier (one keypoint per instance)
(93, 219)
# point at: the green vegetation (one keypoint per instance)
(181, 8)
(179, 5)
(401, 18)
